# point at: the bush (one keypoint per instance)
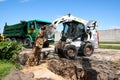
(9, 49)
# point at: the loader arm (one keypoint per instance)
(67, 18)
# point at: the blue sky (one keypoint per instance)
(106, 12)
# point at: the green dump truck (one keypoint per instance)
(25, 32)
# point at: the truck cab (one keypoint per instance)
(32, 31)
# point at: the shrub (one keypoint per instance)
(9, 49)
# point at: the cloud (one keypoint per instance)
(23, 1)
(2, 0)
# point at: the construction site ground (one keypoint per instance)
(104, 64)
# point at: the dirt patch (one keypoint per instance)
(102, 65)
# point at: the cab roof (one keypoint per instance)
(40, 21)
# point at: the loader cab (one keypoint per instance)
(73, 30)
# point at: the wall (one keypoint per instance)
(112, 35)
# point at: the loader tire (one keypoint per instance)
(46, 44)
(59, 52)
(71, 52)
(87, 49)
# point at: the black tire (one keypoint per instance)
(46, 44)
(7, 39)
(59, 52)
(13, 39)
(87, 49)
(71, 52)
(27, 42)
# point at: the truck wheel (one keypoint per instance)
(71, 52)
(46, 44)
(27, 42)
(13, 39)
(7, 39)
(87, 49)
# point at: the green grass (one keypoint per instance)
(5, 67)
(109, 47)
(109, 42)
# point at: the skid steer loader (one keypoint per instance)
(78, 37)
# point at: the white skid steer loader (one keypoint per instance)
(78, 37)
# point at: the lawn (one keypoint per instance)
(109, 42)
(109, 45)
(5, 67)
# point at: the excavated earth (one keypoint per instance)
(104, 64)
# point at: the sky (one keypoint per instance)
(105, 12)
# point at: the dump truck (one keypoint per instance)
(78, 37)
(26, 32)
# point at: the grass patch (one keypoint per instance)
(109, 47)
(5, 67)
(109, 42)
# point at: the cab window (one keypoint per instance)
(32, 25)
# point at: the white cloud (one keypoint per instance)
(23, 1)
(2, 0)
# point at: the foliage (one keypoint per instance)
(9, 49)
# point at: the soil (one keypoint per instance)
(104, 64)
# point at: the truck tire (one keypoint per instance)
(27, 42)
(87, 49)
(13, 39)
(71, 52)
(7, 39)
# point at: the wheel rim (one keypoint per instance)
(88, 50)
(71, 52)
